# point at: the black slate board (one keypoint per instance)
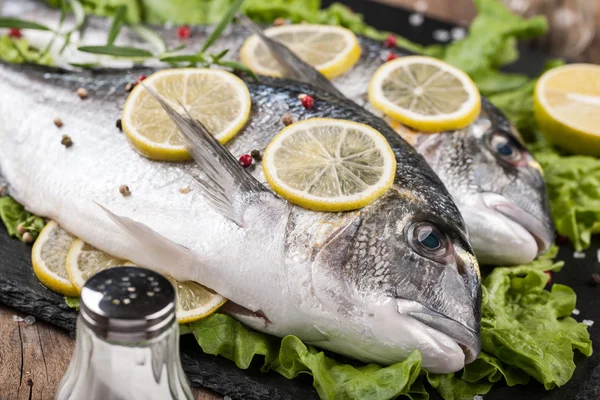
(20, 289)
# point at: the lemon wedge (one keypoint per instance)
(48, 257)
(194, 301)
(329, 165)
(332, 50)
(83, 261)
(425, 93)
(217, 98)
(567, 107)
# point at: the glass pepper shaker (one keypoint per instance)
(127, 344)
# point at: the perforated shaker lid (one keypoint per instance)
(128, 304)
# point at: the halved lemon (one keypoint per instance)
(48, 257)
(329, 165)
(425, 93)
(84, 261)
(194, 301)
(332, 50)
(567, 107)
(219, 99)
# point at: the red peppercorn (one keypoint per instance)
(245, 160)
(184, 32)
(15, 33)
(307, 101)
(549, 277)
(390, 41)
(140, 78)
(391, 56)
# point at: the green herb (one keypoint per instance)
(153, 39)
(221, 25)
(117, 51)
(236, 66)
(12, 214)
(21, 24)
(116, 25)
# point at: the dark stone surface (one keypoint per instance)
(20, 289)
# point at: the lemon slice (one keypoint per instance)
(329, 165)
(194, 301)
(425, 94)
(332, 50)
(84, 261)
(217, 98)
(567, 107)
(48, 257)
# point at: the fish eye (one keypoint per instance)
(506, 148)
(428, 241)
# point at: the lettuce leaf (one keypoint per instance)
(12, 214)
(526, 332)
(529, 327)
(18, 51)
(491, 42)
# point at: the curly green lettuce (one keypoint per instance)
(19, 51)
(526, 332)
(12, 214)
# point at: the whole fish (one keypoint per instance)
(494, 180)
(367, 283)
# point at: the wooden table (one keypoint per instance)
(33, 358)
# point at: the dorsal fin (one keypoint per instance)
(294, 66)
(227, 183)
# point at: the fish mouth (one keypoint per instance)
(467, 339)
(543, 236)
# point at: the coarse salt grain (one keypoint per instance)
(416, 19)
(579, 254)
(588, 322)
(575, 311)
(441, 35)
(458, 33)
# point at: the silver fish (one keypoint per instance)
(496, 183)
(373, 284)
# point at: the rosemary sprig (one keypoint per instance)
(6, 22)
(159, 47)
(227, 18)
(116, 25)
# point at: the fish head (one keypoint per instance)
(497, 185)
(411, 281)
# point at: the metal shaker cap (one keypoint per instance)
(128, 304)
